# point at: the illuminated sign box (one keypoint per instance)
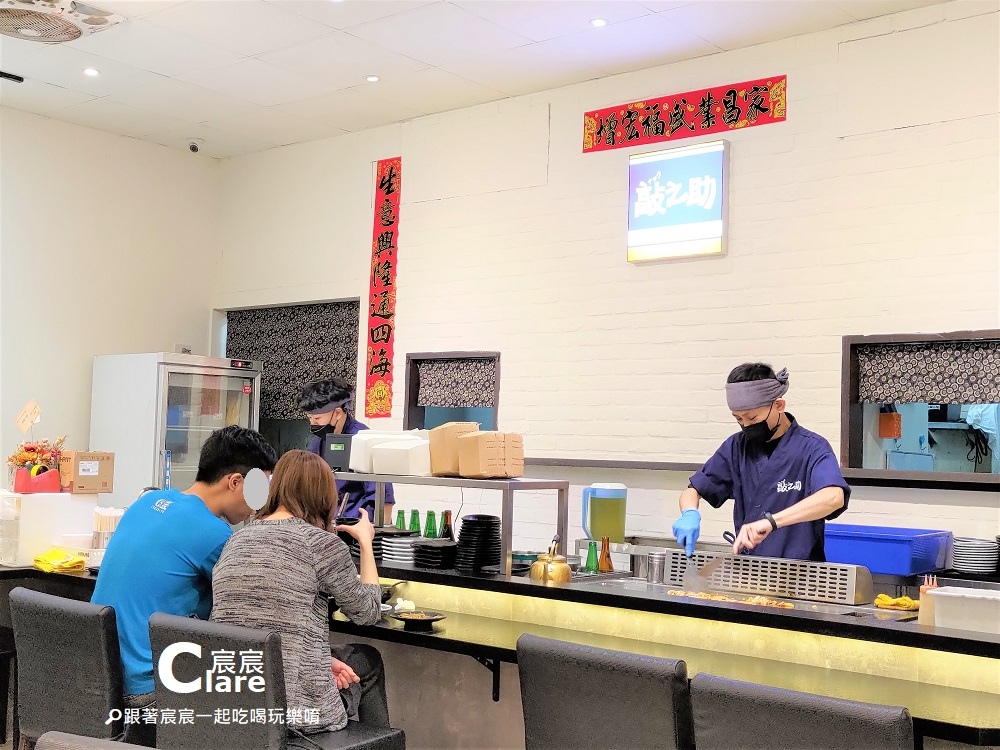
(677, 202)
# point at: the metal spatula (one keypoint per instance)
(697, 579)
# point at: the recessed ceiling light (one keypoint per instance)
(29, 32)
(598, 23)
(372, 79)
(92, 72)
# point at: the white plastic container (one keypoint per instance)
(364, 441)
(43, 518)
(963, 608)
(410, 458)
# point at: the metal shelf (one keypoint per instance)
(505, 486)
(948, 426)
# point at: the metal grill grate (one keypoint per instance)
(794, 579)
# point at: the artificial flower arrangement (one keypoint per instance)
(33, 459)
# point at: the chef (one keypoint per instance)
(785, 480)
(329, 405)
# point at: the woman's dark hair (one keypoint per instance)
(317, 395)
(303, 484)
(234, 450)
(751, 371)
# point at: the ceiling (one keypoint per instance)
(248, 75)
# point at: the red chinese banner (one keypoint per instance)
(381, 331)
(671, 118)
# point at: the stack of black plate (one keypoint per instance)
(478, 543)
(435, 553)
(352, 544)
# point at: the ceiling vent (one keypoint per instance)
(52, 21)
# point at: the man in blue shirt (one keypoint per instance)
(785, 480)
(329, 405)
(161, 556)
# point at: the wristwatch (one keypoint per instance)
(770, 520)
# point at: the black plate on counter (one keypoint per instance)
(424, 621)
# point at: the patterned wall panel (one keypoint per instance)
(457, 383)
(963, 372)
(297, 344)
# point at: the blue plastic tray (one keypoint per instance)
(887, 549)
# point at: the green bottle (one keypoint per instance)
(591, 566)
(415, 521)
(430, 530)
(401, 520)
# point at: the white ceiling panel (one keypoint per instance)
(257, 82)
(40, 98)
(352, 109)
(749, 22)
(63, 66)
(127, 120)
(340, 61)
(438, 34)
(274, 126)
(864, 9)
(541, 21)
(525, 70)
(249, 27)
(133, 9)
(347, 13)
(159, 50)
(434, 90)
(658, 6)
(182, 100)
(218, 144)
(16, 53)
(632, 45)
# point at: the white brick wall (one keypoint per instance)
(891, 231)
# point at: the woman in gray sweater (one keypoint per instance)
(279, 572)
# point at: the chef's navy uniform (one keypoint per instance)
(362, 493)
(769, 478)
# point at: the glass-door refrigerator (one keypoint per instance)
(155, 411)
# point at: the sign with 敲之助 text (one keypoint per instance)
(677, 202)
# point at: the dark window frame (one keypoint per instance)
(413, 415)
(851, 418)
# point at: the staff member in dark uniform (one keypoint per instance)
(329, 405)
(785, 480)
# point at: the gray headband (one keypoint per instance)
(753, 394)
(331, 405)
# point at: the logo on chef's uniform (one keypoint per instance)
(785, 486)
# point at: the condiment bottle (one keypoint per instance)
(415, 521)
(401, 520)
(925, 615)
(430, 529)
(604, 564)
(447, 530)
(591, 566)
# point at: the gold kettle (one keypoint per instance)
(551, 568)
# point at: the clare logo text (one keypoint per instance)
(229, 671)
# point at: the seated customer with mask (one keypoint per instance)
(329, 404)
(785, 480)
(161, 556)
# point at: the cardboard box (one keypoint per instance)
(87, 472)
(491, 455)
(444, 447)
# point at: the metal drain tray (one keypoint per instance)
(772, 576)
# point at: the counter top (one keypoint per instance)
(802, 618)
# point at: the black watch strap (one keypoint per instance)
(770, 520)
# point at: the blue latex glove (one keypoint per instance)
(686, 530)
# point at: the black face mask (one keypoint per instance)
(760, 432)
(321, 430)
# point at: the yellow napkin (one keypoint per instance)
(57, 561)
(884, 601)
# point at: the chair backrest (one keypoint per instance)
(581, 696)
(730, 714)
(245, 660)
(69, 670)
(63, 741)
